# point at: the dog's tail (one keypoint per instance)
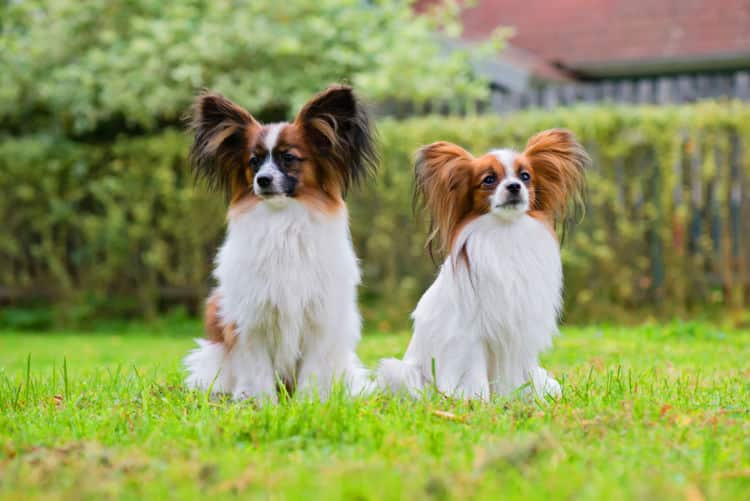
(399, 376)
(207, 367)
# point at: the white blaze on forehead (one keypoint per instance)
(270, 138)
(508, 159)
(500, 197)
(272, 135)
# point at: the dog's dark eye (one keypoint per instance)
(489, 180)
(289, 158)
(255, 161)
(525, 177)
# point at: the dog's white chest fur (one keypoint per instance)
(287, 279)
(514, 289)
(280, 274)
(485, 328)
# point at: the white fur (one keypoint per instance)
(484, 328)
(268, 167)
(287, 278)
(501, 194)
(507, 158)
(272, 136)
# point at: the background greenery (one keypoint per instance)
(94, 69)
(102, 220)
(665, 227)
(118, 227)
(647, 413)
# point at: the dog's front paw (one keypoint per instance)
(243, 394)
(544, 385)
(551, 388)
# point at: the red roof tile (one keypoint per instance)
(581, 33)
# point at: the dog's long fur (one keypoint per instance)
(284, 312)
(480, 327)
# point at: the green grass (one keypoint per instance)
(648, 413)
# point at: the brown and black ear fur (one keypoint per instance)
(559, 163)
(222, 132)
(341, 136)
(442, 173)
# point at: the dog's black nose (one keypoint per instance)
(514, 188)
(264, 181)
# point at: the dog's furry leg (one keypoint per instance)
(255, 376)
(207, 369)
(398, 376)
(543, 384)
(323, 368)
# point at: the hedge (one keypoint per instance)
(119, 228)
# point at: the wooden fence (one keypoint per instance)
(660, 91)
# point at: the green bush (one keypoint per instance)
(104, 226)
(112, 228)
(88, 68)
(666, 222)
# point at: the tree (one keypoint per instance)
(89, 67)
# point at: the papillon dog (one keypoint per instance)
(480, 327)
(283, 316)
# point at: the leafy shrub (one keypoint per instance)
(664, 231)
(91, 68)
(119, 220)
(112, 228)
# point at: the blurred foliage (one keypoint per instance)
(92, 69)
(118, 228)
(104, 228)
(665, 227)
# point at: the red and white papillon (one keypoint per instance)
(284, 311)
(480, 327)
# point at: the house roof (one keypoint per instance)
(611, 37)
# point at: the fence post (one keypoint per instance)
(742, 85)
(645, 92)
(663, 91)
(549, 97)
(696, 197)
(738, 254)
(589, 93)
(654, 233)
(679, 216)
(569, 94)
(719, 259)
(686, 89)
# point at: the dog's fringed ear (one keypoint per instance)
(558, 162)
(442, 173)
(341, 134)
(223, 132)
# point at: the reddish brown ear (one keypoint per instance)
(558, 162)
(340, 133)
(223, 133)
(443, 182)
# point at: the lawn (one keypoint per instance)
(647, 413)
